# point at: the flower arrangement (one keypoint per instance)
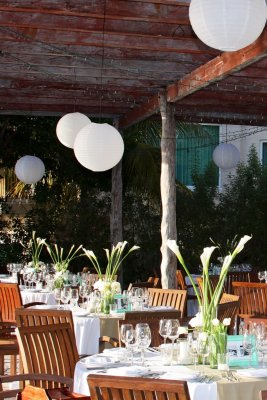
(61, 262)
(36, 245)
(114, 258)
(208, 304)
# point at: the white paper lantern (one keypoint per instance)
(226, 156)
(29, 169)
(98, 147)
(68, 127)
(228, 25)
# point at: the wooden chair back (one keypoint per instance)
(152, 318)
(214, 279)
(168, 297)
(155, 280)
(10, 299)
(228, 308)
(253, 298)
(104, 387)
(35, 317)
(48, 349)
(140, 285)
(180, 279)
(236, 276)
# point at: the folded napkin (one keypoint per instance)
(179, 372)
(253, 372)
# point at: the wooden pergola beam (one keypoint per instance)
(213, 71)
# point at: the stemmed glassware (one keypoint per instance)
(123, 330)
(262, 275)
(143, 339)
(163, 329)
(173, 333)
(248, 346)
(74, 297)
(203, 348)
(130, 342)
(65, 296)
(192, 347)
(57, 293)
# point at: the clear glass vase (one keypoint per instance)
(218, 343)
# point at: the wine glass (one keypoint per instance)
(57, 294)
(123, 330)
(163, 330)
(74, 297)
(65, 296)
(248, 346)
(261, 275)
(143, 339)
(130, 342)
(192, 348)
(173, 332)
(203, 347)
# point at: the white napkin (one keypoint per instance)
(253, 372)
(179, 372)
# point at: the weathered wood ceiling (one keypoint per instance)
(111, 58)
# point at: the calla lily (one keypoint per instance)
(205, 256)
(241, 244)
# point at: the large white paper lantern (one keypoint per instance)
(226, 156)
(68, 127)
(228, 25)
(29, 169)
(98, 147)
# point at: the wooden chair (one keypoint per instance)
(228, 308)
(35, 392)
(104, 387)
(48, 349)
(214, 279)
(152, 318)
(35, 317)
(253, 298)
(155, 280)
(10, 299)
(168, 297)
(8, 346)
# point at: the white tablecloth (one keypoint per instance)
(198, 391)
(87, 332)
(39, 296)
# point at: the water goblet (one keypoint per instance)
(173, 332)
(65, 296)
(203, 347)
(143, 339)
(163, 329)
(192, 348)
(248, 346)
(74, 297)
(261, 276)
(123, 330)
(57, 294)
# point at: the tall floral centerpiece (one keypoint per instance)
(208, 303)
(106, 283)
(61, 261)
(36, 245)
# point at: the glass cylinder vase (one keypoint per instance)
(218, 344)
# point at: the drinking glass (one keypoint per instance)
(74, 297)
(173, 332)
(163, 329)
(65, 296)
(192, 348)
(203, 347)
(130, 342)
(143, 339)
(57, 293)
(123, 330)
(248, 346)
(261, 275)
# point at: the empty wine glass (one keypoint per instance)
(143, 339)
(261, 275)
(248, 346)
(173, 332)
(65, 296)
(123, 330)
(163, 329)
(57, 294)
(130, 342)
(192, 348)
(203, 347)
(74, 297)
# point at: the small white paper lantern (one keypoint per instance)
(68, 127)
(98, 147)
(228, 25)
(29, 169)
(226, 156)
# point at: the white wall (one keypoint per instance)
(242, 137)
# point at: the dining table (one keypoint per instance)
(209, 383)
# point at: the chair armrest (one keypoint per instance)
(107, 339)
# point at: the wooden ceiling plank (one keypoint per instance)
(213, 71)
